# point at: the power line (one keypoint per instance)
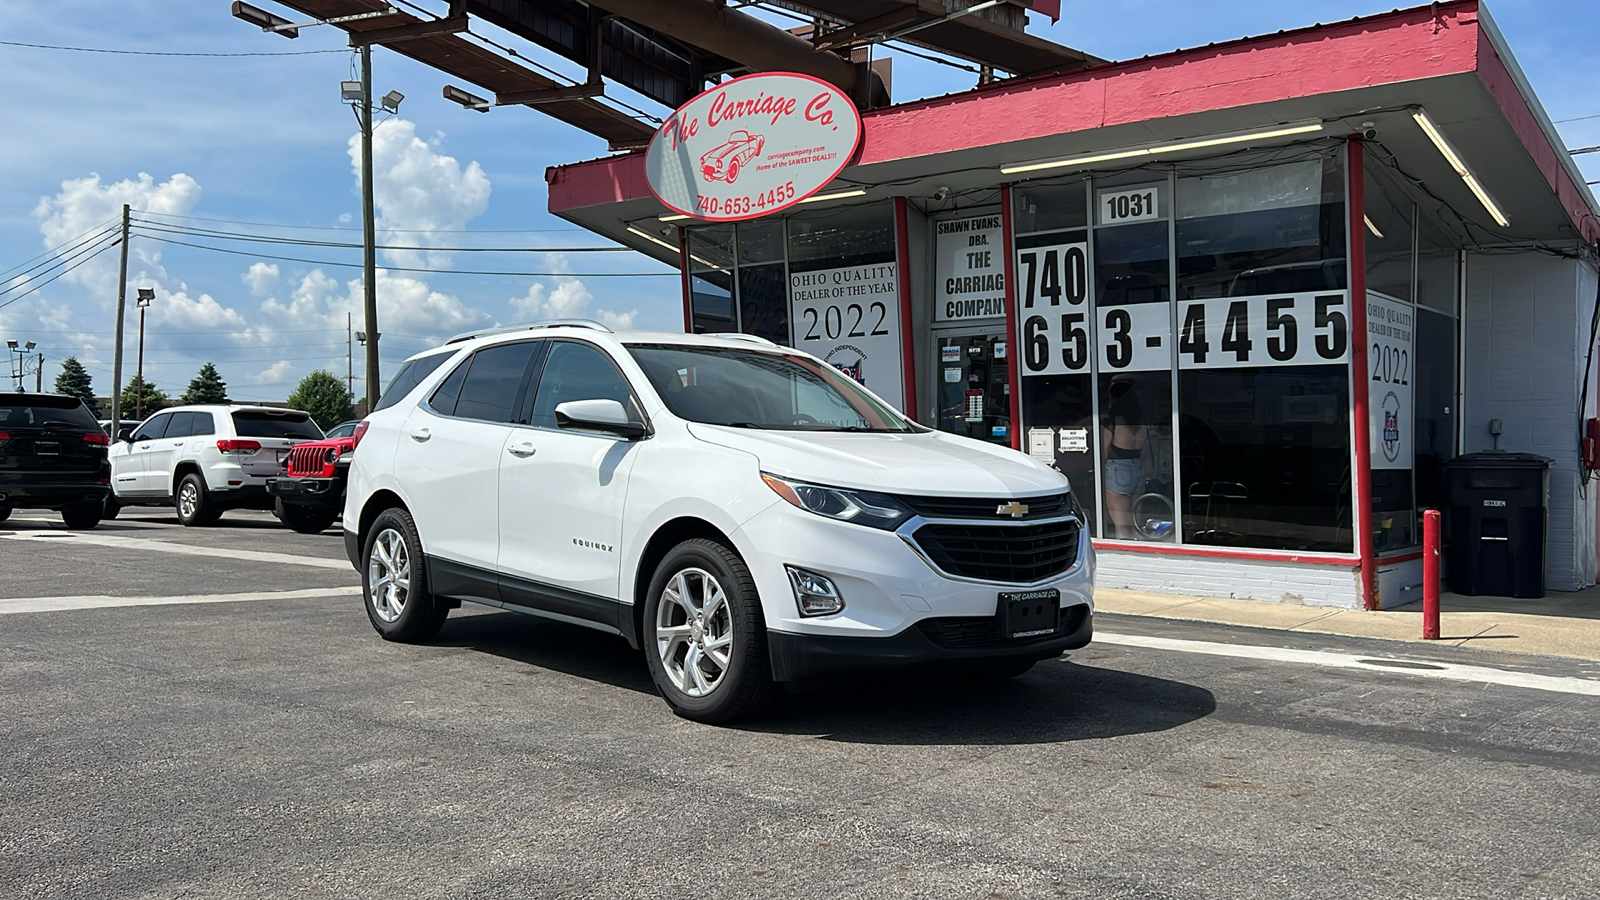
(1578, 119)
(323, 262)
(101, 227)
(103, 248)
(159, 52)
(32, 272)
(390, 230)
(165, 228)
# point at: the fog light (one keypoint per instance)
(814, 594)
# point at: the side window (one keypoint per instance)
(409, 377)
(182, 425)
(155, 428)
(494, 382)
(444, 397)
(202, 424)
(576, 371)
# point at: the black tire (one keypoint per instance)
(305, 519)
(195, 508)
(82, 516)
(112, 507)
(5, 513)
(411, 615)
(744, 685)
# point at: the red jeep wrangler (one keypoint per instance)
(309, 494)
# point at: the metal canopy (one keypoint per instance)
(458, 56)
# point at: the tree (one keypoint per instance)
(74, 381)
(153, 399)
(207, 387)
(324, 396)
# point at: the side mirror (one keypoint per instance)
(608, 416)
(125, 433)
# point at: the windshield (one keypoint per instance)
(761, 389)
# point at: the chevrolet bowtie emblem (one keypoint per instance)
(1013, 509)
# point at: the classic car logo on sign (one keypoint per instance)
(707, 161)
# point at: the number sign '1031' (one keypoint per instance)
(1054, 283)
(1137, 205)
(1273, 330)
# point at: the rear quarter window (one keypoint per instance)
(275, 425)
(409, 376)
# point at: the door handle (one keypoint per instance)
(524, 449)
(421, 435)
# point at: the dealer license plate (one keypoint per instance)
(1025, 614)
(47, 448)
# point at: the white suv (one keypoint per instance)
(204, 459)
(744, 512)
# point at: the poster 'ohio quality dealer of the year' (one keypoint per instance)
(850, 316)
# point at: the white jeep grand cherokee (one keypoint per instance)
(742, 511)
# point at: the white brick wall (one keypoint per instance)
(1243, 579)
(1527, 326)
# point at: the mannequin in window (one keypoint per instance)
(1122, 439)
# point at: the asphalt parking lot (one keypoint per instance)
(208, 713)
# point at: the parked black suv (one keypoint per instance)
(52, 456)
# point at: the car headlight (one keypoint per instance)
(1074, 508)
(868, 508)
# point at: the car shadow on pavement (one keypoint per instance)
(1055, 702)
(532, 641)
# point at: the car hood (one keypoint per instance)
(929, 463)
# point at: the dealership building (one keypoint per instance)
(1250, 298)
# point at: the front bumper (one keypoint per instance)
(798, 657)
(21, 494)
(320, 492)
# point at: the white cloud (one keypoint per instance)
(262, 279)
(276, 374)
(419, 191)
(84, 204)
(568, 299)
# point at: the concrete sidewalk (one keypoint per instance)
(1559, 625)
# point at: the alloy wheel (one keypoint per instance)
(694, 632)
(389, 574)
(188, 499)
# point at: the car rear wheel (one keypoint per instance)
(82, 516)
(305, 519)
(394, 581)
(112, 507)
(5, 513)
(194, 507)
(705, 636)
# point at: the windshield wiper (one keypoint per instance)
(738, 425)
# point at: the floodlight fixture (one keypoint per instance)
(146, 295)
(11, 343)
(350, 91)
(391, 101)
(361, 336)
(264, 20)
(29, 346)
(470, 101)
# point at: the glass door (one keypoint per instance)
(972, 383)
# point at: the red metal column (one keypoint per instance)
(908, 345)
(1013, 371)
(1362, 515)
(683, 270)
(1430, 575)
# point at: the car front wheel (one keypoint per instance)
(394, 581)
(705, 636)
(305, 519)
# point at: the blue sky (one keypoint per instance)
(265, 140)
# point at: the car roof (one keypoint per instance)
(600, 334)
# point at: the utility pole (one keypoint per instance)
(38, 376)
(116, 364)
(369, 266)
(349, 360)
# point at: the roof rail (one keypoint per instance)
(741, 336)
(590, 324)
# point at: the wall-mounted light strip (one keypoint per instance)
(836, 195)
(653, 239)
(1372, 228)
(673, 218)
(1454, 159)
(1221, 140)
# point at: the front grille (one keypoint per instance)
(1015, 554)
(307, 460)
(985, 508)
(980, 632)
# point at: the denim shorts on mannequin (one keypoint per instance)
(1125, 476)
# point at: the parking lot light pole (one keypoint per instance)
(146, 295)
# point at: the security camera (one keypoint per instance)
(941, 195)
(1370, 134)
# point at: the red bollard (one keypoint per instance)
(1430, 574)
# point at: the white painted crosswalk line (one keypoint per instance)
(1419, 668)
(100, 601)
(146, 544)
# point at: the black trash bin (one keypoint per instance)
(1499, 515)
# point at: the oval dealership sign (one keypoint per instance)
(752, 146)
